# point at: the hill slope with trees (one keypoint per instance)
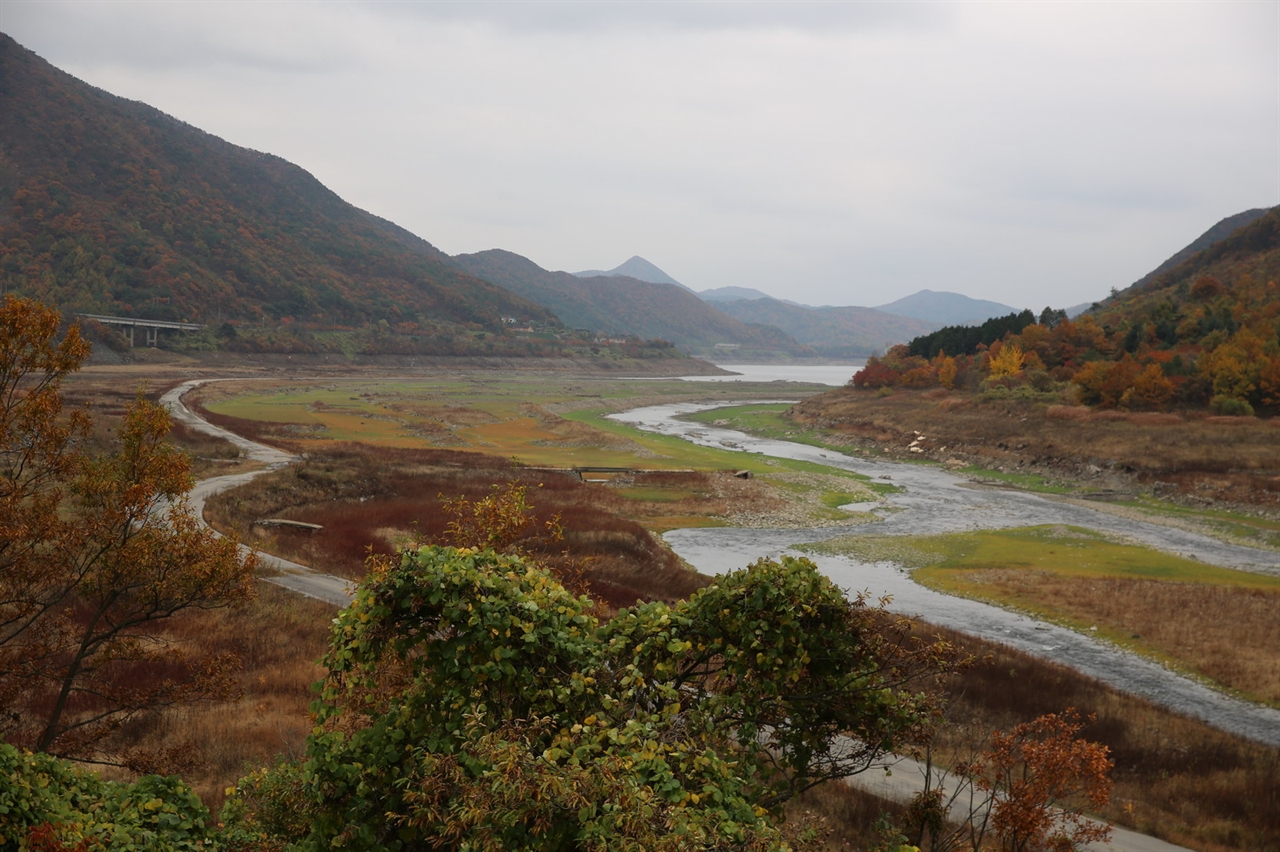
(110, 206)
(1202, 333)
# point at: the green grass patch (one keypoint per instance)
(765, 420)
(1227, 525)
(1069, 551)
(1025, 481)
(1068, 575)
(909, 552)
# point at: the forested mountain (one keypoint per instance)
(110, 206)
(1216, 234)
(943, 308)
(1204, 332)
(620, 306)
(833, 332)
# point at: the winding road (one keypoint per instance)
(293, 576)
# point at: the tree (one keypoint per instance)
(1151, 390)
(1039, 777)
(97, 553)
(1007, 362)
(1019, 791)
(472, 702)
(947, 371)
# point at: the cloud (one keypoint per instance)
(631, 16)
(825, 151)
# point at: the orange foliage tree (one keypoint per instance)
(96, 555)
(1039, 778)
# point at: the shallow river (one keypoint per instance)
(935, 501)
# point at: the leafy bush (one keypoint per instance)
(48, 803)
(472, 701)
(1230, 406)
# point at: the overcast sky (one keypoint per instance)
(1034, 153)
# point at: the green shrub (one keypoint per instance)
(50, 803)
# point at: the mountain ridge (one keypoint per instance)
(942, 307)
(834, 332)
(118, 208)
(624, 305)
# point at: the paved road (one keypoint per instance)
(906, 777)
(298, 578)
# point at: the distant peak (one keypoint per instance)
(635, 267)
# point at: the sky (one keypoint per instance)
(833, 153)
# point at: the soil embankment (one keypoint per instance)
(1190, 457)
(241, 364)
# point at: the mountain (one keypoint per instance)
(638, 268)
(733, 294)
(1248, 257)
(620, 305)
(834, 332)
(1216, 234)
(1202, 333)
(113, 207)
(942, 308)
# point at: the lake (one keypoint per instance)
(832, 375)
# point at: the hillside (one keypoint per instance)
(846, 332)
(1214, 235)
(1250, 250)
(113, 207)
(942, 308)
(627, 306)
(1204, 333)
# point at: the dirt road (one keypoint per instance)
(298, 578)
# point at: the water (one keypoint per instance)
(935, 501)
(832, 375)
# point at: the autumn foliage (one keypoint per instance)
(97, 552)
(1204, 335)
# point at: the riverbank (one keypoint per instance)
(1191, 458)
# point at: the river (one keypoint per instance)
(935, 501)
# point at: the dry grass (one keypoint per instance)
(1236, 459)
(845, 816)
(1229, 635)
(1176, 778)
(381, 498)
(279, 639)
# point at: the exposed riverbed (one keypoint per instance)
(934, 501)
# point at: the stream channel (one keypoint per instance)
(934, 501)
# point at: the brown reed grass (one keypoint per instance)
(1175, 778)
(1229, 635)
(1234, 459)
(381, 498)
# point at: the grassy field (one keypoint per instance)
(1227, 631)
(552, 423)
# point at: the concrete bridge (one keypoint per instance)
(152, 326)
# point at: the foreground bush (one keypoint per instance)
(474, 703)
(51, 804)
